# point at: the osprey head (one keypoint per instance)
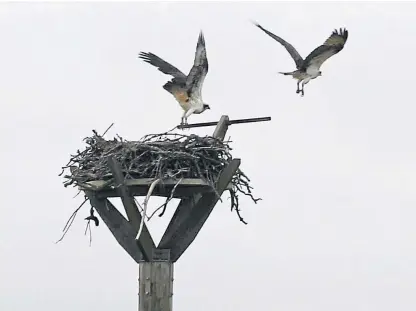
(205, 107)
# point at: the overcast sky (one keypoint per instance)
(336, 169)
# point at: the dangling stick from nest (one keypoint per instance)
(163, 206)
(146, 201)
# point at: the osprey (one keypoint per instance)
(185, 89)
(308, 68)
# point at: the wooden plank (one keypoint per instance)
(145, 242)
(163, 190)
(155, 286)
(140, 191)
(148, 181)
(184, 208)
(118, 225)
(132, 211)
(189, 229)
(221, 128)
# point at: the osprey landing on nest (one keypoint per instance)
(186, 89)
(308, 68)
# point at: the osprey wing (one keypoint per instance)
(292, 51)
(162, 65)
(199, 70)
(334, 44)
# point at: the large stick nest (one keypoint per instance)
(158, 156)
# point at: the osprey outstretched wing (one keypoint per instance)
(185, 89)
(162, 65)
(292, 51)
(198, 72)
(309, 68)
(334, 44)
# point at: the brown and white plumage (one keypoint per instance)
(187, 89)
(309, 68)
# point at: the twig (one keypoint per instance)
(166, 202)
(79, 191)
(70, 221)
(146, 200)
(105, 132)
(88, 228)
(139, 205)
(234, 205)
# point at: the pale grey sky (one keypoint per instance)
(336, 169)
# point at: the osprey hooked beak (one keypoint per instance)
(206, 107)
(320, 73)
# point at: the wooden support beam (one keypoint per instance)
(139, 191)
(145, 243)
(221, 128)
(146, 182)
(182, 211)
(185, 206)
(189, 228)
(140, 187)
(132, 211)
(119, 226)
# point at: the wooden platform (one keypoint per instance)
(140, 187)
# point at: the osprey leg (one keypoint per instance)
(183, 119)
(306, 81)
(185, 116)
(298, 90)
(188, 113)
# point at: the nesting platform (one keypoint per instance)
(140, 187)
(196, 170)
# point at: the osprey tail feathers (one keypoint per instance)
(297, 74)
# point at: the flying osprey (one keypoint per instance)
(186, 89)
(308, 68)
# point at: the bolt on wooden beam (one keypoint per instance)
(230, 122)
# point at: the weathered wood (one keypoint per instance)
(140, 187)
(132, 211)
(184, 208)
(221, 128)
(148, 181)
(238, 121)
(189, 228)
(119, 226)
(145, 243)
(141, 191)
(155, 286)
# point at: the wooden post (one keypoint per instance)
(156, 282)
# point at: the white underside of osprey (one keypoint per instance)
(312, 71)
(304, 77)
(194, 105)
